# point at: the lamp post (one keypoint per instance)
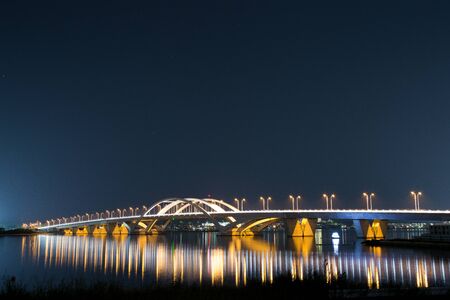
(295, 201)
(371, 197)
(366, 197)
(333, 196)
(242, 203)
(416, 197)
(369, 200)
(263, 202)
(268, 200)
(237, 202)
(329, 200)
(325, 196)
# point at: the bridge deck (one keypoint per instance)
(336, 214)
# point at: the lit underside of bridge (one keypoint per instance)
(228, 220)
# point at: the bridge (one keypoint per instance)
(229, 220)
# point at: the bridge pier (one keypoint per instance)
(120, 228)
(99, 229)
(370, 229)
(300, 227)
(69, 231)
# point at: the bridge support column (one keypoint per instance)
(69, 231)
(90, 229)
(99, 229)
(82, 230)
(370, 229)
(120, 228)
(300, 227)
(110, 228)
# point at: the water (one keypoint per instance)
(205, 258)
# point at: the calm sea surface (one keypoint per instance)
(205, 258)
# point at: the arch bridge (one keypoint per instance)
(228, 220)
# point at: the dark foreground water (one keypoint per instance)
(205, 258)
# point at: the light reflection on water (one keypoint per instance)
(207, 258)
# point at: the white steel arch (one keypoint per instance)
(180, 206)
(218, 206)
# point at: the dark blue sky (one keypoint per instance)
(113, 104)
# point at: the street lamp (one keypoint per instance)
(268, 200)
(242, 203)
(331, 201)
(263, 202)
(369, 200)
(416, 197)
(237, 202)
(366, 197)
(295, 201)
(371, 197)
(325, 196)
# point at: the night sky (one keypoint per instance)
(111, 104)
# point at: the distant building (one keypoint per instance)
(439, 232)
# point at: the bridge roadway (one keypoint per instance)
(368, 224)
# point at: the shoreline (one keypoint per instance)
(422, 243)
(18, 232)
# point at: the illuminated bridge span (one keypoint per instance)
(228, 220)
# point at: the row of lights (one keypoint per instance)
(368, 197)
(98, 215)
